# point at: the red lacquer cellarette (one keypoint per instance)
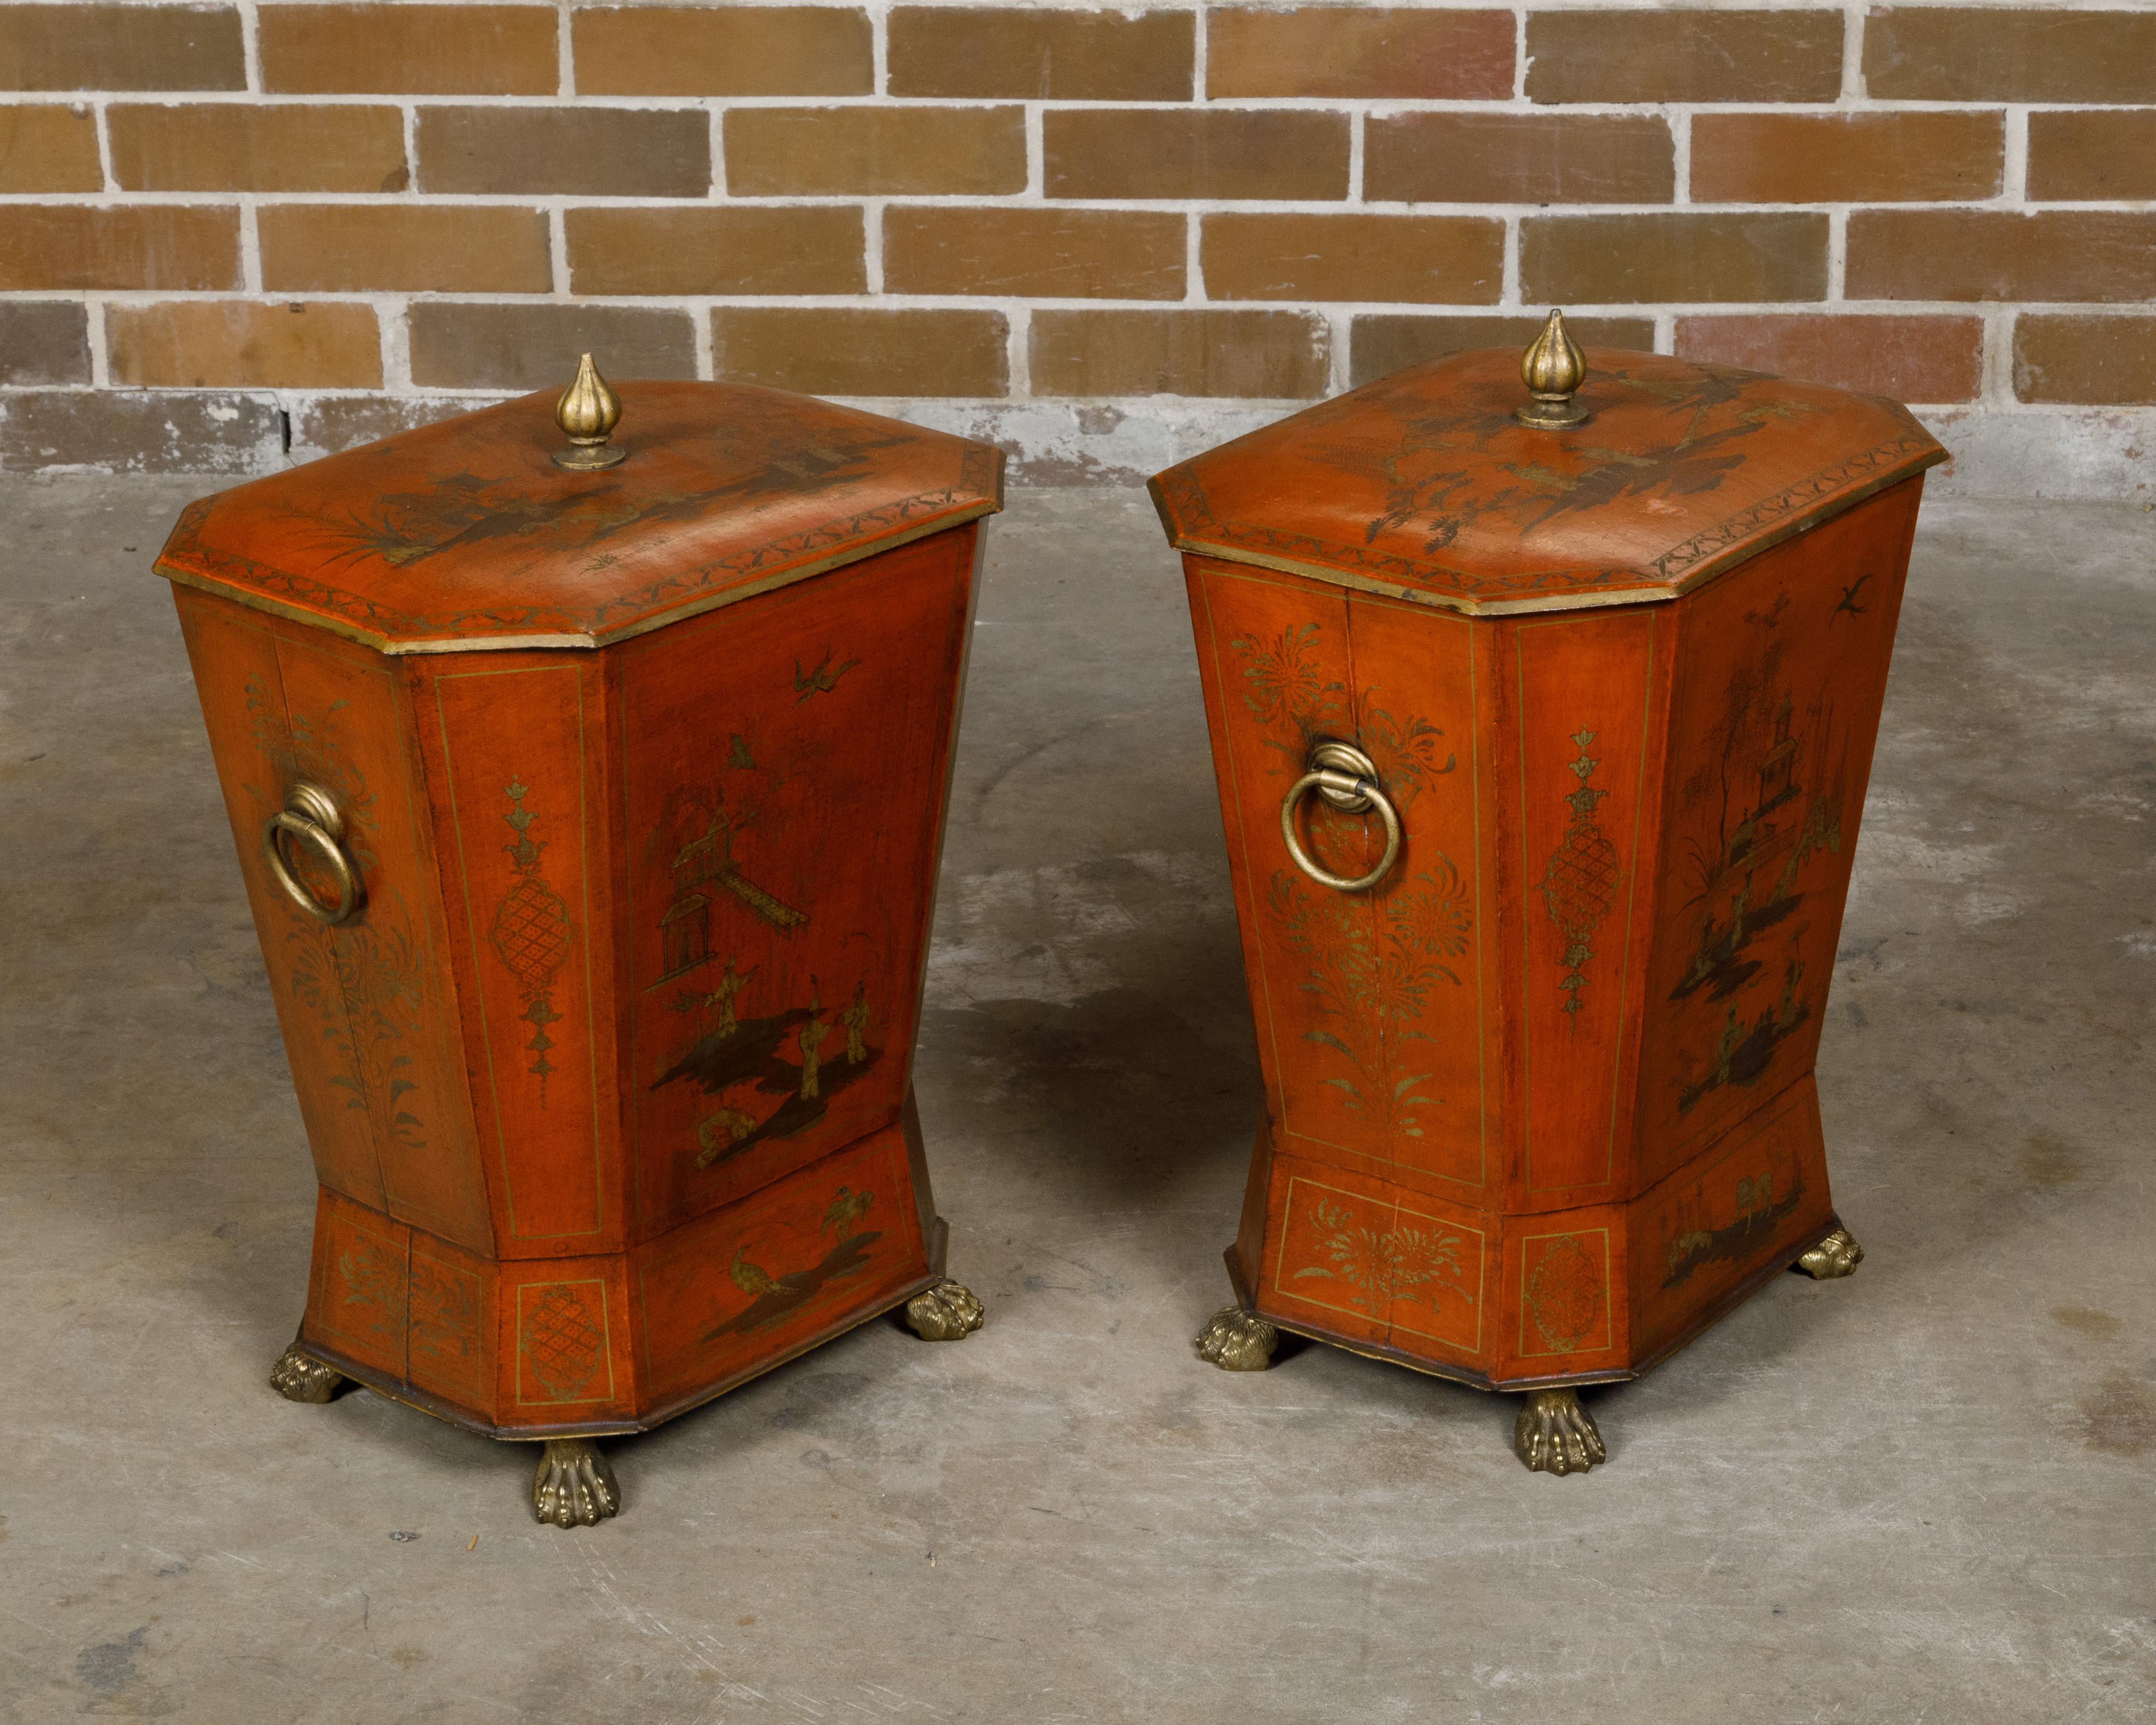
(1542, 710)
(588, 792)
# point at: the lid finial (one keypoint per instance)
(588, 412)
(1552, 368)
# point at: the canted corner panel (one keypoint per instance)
(783, 769)
(1583, 716)
(1367, 1260)
(1566, 1309)
(564, 1340)
(520, 808)
(1781, 681)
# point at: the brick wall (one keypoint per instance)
(227, 231)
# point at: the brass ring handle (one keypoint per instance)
(311, 819)
(1347, 779)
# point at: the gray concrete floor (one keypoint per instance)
(1926, 1493)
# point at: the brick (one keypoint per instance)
(839, 351)
(1518, 158)
(1359, 53)
(2103, 361)
(153, 432)
(722, 51)
(125, 47)
(517, 347)
(888, 152)
(328, 424)
(1437, 260)
(1695, 56)
(408, 49)
(44, 342)
(1024, 52)
(235, 147)
(449, 249)
(1268, 355)
(1997, 254)
(1611, 260)
(49, 146)
(748, 249)
(193, 344)
(1910, 358)
(1195, 153)
(1846, 158)
(183, 248)
(1043, 254)
(1951, 54)
(2106, 153)
(1386, 341)
(582, 151)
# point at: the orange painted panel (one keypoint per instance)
(1365, 1258)
(745, 1286)
(1754, 1197)
(356, 1287)
(1584, 734)
(234, 653)
(1278, 678)
(367, 1006)
(1415, 695)
(452, 1339)
(1782, 674)
(516, 748)
(564, 1340)
(1566, 1293)
(784, 767)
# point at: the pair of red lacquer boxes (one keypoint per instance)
(589, 795)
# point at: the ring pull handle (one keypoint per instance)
(309, 818)
(1347, 779)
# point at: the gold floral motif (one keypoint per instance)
(1580, 885)
(1382, 1267)
(1372, 983)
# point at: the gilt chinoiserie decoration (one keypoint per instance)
(589, 797)
(1541, 718)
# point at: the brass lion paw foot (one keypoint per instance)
(1837, 1255)
(574, 1487)
(1555, 1434)
(298, 1377)
(945, 1312)
(1237, 1341)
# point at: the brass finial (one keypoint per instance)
(588, 412)
(1552, 368)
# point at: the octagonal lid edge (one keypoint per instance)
(1421, 486)
(463, 536)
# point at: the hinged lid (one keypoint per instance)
(467, 534)
(1425, 485)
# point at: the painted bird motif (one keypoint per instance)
(822, 680)
(749, 1279)
(847, 1207)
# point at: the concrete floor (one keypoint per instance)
(1926, 1493)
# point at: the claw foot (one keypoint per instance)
(1237, 1341)
(945, 1312)
(298, 1377)
(1837, 1255)
(1555, 1434)
(574, 1487)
